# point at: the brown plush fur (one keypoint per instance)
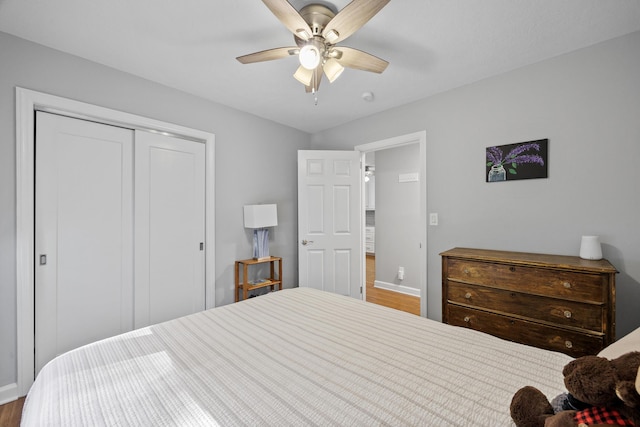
(530, 408)
(597, 381)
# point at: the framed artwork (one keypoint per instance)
(523, 160)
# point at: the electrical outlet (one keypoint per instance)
(433, 219)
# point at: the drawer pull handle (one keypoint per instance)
(567, 314)
(465, 271)
(568, 344)
(467, 319)
(512, 269)
(567, 285)
(467, 295)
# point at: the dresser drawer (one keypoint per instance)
(551, 338)
(546, 309)
(539, 281)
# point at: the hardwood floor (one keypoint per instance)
(387, 298)
(10, 413)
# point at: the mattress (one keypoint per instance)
(296, 357)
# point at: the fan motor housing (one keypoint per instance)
(317, 16)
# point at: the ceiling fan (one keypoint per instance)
(317, 29)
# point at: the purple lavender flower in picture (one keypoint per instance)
(524, 160)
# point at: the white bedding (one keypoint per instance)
(294, 357)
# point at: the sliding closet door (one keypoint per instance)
(169, 227)
(83, 234)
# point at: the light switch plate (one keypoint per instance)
(433, 219)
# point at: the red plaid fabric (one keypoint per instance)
(599, 415)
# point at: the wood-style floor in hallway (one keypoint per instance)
(387, 298)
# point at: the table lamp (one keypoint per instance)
(259, 217)
(590, 248)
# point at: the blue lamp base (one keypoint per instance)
(261, 243)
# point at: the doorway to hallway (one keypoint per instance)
(394, 221)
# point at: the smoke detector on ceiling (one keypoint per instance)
(367, 96)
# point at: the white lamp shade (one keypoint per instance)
(260, 216)
(332, 69)
(590, 248)
(303, 75)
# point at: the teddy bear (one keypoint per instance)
(600, 392)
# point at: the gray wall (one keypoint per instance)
(588, 104)
(397, 216)
(244, 145)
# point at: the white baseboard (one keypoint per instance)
(396, 288)
(8, 393)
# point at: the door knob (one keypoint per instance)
(306, 242)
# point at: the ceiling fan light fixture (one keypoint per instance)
(303, 75)
(332, 36)
(309, 56)
(332, 69)
(334, 53)
(303, 34)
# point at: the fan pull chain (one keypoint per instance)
(313, 89)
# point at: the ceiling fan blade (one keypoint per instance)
(351, 18)
(268, 55)
(354, 58)
(289, 16)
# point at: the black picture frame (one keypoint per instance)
(522, 160)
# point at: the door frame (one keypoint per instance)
(27, 102)
(398, 141)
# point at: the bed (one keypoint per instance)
(296, 357)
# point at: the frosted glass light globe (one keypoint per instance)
(309, 57)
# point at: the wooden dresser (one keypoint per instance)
(556, 302)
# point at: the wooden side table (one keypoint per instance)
(245, 285)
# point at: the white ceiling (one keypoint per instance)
(432, 46)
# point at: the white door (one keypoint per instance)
(329, 221)
(83, 234)
(169, 228)
(102, 190)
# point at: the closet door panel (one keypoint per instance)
(83, 234)
(169, 227)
